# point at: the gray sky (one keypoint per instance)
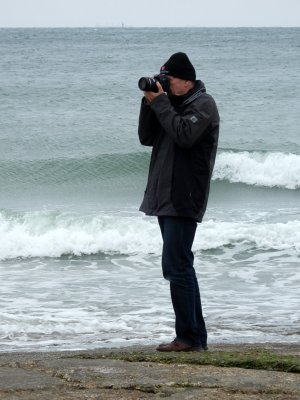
(69, 13)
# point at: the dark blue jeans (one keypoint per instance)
(177, 264)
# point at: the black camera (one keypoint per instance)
(149, 84)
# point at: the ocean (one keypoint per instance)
(79, 264)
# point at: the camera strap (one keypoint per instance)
(195, 96)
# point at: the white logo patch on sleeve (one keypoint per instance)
(194, 119)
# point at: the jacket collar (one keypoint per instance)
(190, 96)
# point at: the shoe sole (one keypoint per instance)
(188, 350)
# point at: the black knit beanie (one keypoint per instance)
(179, 66)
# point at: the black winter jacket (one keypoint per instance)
(183, 131)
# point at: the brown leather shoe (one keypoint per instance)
(178, 346)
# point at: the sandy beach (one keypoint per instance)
(235, 372)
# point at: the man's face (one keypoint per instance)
(179, 87)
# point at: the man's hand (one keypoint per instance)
(150, 96)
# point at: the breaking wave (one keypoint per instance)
(259, 169)
(252, 168)
(54, 234)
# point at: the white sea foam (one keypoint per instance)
(71, 304)
(52, 234)
(265, 236)
(259, 169)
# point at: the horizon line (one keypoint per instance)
(123, 26)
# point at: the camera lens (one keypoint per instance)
(148, 84)
(143, 83)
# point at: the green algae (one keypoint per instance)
(259, 359)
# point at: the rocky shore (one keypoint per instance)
(233, 372)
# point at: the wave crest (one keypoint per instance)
(54, 234)
(259, 169)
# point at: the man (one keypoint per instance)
(182, 126)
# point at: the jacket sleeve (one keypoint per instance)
(188, 128)
(148, 125)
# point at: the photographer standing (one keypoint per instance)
(181, 122)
